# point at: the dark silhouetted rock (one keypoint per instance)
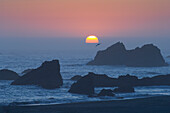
(125, 84)
(6, 74)
(123, 80)
(84, 85)
(124, 89)
(154, 81)
(27, 71)
(106, 92)
(47, 76)
(146, 81)
(100, 80)
(168, 57)
(76, 77)
(146, 56)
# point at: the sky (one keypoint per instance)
(68, 22)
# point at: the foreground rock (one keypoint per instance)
(6, 74)
(76, 77)
(47, 76)
(100, 80)
(106, 92)
(146, 56)
(84, 85)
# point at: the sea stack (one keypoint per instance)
(6, 74)
(146, 56)
(47, 76)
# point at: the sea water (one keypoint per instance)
(71, 65)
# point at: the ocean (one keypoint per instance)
(71, 65)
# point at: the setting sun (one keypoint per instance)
(92, 39)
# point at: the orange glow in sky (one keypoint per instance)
(92, 39)
(77, 18)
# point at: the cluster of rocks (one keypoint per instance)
(124, 84)
(146, 56)
(48, 74)
(86, 85)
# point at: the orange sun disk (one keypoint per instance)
(92, 39)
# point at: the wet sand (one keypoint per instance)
(160, 104)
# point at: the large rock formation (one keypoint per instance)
(84, 85)
(6, 74)
(146, 56)
(47, 76)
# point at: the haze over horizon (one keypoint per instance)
(63, 25)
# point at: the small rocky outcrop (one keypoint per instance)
(124, 89)
(106, 92)
(168, 56)
(27, 71)
(84, 85)
(76, 77)
(6, 74)
(146, 56)
(47, 76)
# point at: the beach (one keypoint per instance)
(158, 104)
